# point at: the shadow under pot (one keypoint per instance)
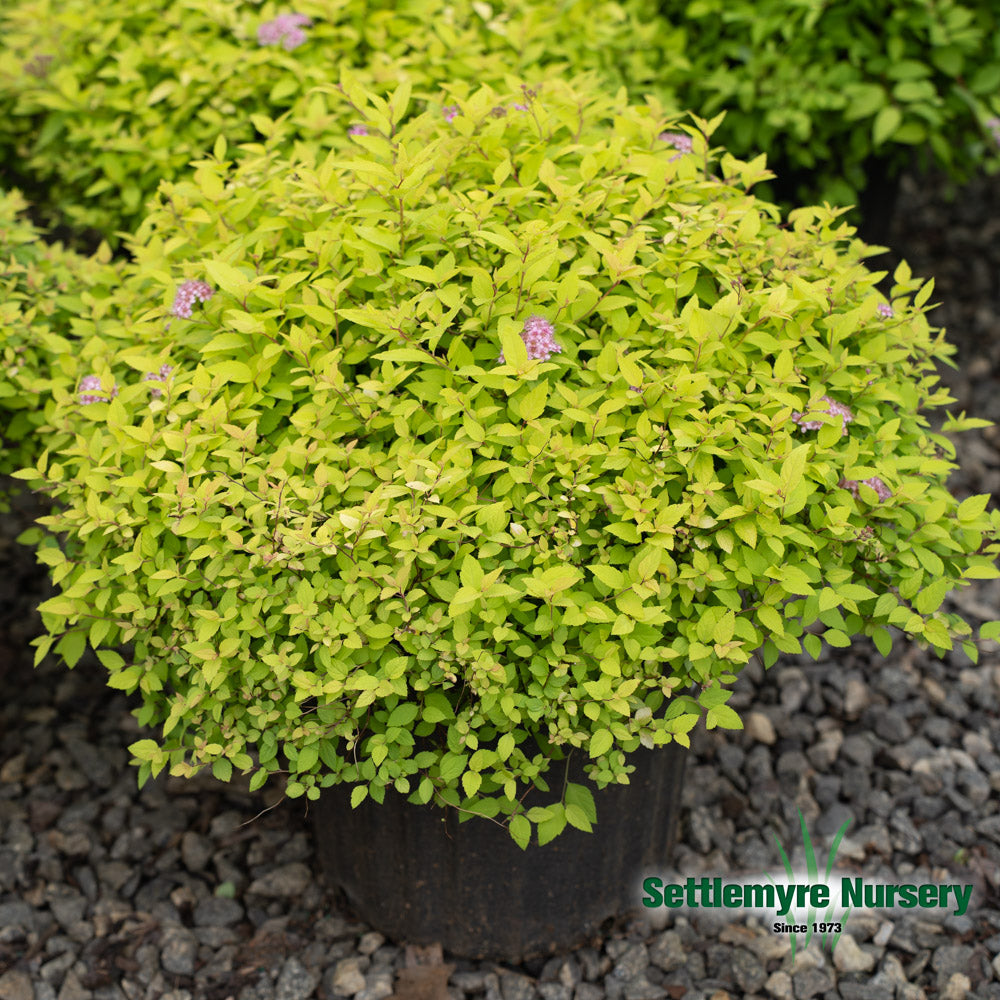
(420, 876)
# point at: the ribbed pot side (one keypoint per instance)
(418, 875)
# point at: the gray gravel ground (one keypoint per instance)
(185, 891)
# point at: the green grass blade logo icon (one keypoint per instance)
(812, 871)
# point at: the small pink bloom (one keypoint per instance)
(520, 107)
(357, 130)
(874, 482)
(285, 29)
(879, 487)
(164, 372)
(38, 65)
(88, 395)
(885, 310)
(294, 37)
(681, 141)
(537, 337)
(834, 409)
(451, 112)
(188, 294)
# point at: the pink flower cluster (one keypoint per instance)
(38, 65)
(537, 337)
(286, 29)
(357, 130)
(681, 141)
(885, 310)
(186, 296)
(875, 483)
(451, 112)
(87, 394)
(834, 409)
(993, 124)
(90, 386)
(160, 376)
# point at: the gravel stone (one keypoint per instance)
(957, 987)
(295, 981)
(848, 957)
(810, 982)
(553, 991)
(73, 989)
(632, 962)
(516, 987)
(284, 882)
(469, 982)
(779, 986)
(67, 905)
(347, 978)
(370, 943)
(760, 728)
(666, 952)
(857, 697)
(903, 833)
(748, 971)
(17, 916)
(179, 951)
(378, 986)
(217, 911)
(15, 985)
(859, 749)
(640, 988)
(950, 959)
(195, 851)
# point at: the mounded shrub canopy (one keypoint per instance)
(340, 536)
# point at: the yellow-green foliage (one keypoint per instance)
(349, 542)
(47, 301)
(103, 98)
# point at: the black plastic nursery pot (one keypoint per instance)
(876, 205)
(420, 876)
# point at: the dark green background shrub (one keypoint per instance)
(828, 88)
(342, 538)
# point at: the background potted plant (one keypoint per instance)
(49, 297)
(108, 98)
(473, 445)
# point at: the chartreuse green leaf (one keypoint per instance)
(520, 831)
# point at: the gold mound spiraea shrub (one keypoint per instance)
(487, 438)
